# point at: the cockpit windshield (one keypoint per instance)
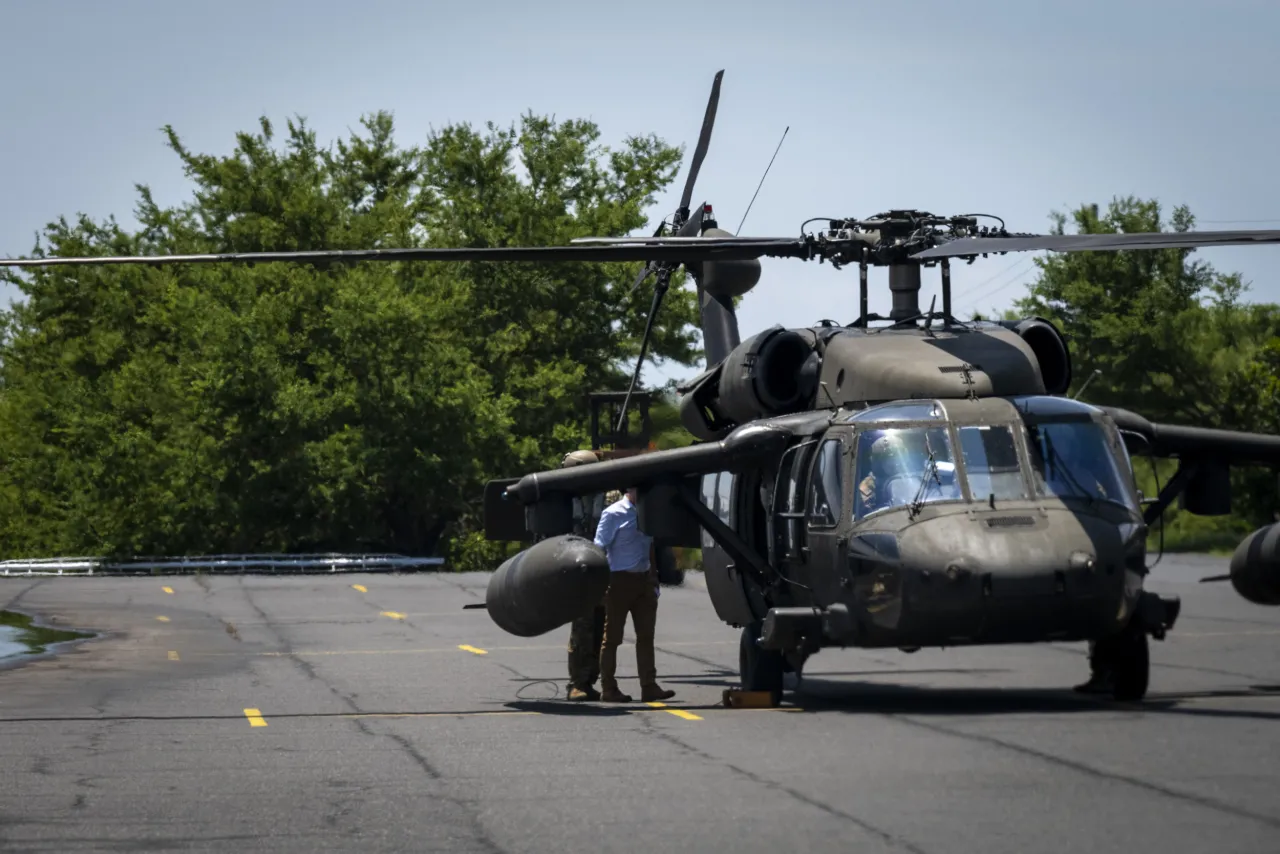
(901, 466)
(1075, 459)
(991, 462)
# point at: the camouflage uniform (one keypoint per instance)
(585, 633)
(886, 457)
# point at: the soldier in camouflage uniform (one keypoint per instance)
(887, 454)
(586, 633)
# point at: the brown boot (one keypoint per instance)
(655, 693)
(614, 696)
(579, 694)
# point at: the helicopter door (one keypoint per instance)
(826, 511)
(724, 583)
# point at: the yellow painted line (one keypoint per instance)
(402, 651)
(163, 619)
(255, 717)
(361, 588)
(473, 649)
(395, 615)
(680, 713)
(438, 714)
(167, 589)
(173, 655)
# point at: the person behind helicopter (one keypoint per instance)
(586, 633)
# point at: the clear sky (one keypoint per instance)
(1012, 108)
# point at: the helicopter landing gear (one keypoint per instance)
(760, 669)
(1120, 665)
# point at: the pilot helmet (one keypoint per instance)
(888, 454)
(578, 458)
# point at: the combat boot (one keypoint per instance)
(588, 693)
(614, 696)
(655, 693)
(1100, 682)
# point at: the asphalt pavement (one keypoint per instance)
(372, 713)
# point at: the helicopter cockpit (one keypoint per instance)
(1075, 456)
(1037, 447)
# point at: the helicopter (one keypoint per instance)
(903, 482)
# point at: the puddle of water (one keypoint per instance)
(19, 635)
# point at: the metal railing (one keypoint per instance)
(272, 564)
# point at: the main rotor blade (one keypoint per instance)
(603, 250)
(1099, 242)
(683, 240)
(704, 139)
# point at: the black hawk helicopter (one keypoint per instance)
(924, 482)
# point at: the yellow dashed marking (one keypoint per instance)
(163, 619)
(473, 649)
(395, 615)
(167, 589)
(255, 717)
(438, 714)
(361, 588)
(680, 713)
(400, 651)
(173, 655)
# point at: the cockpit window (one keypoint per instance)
(925, 410)
(1049, 406)
(826, 498)
(904, 466)
(1075, 459)
(991, 462)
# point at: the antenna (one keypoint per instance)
(762, 177)
(1096, 373)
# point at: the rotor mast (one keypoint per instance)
(904, 285)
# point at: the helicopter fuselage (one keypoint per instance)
(973, 535)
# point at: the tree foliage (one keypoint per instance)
(289, 407)
(1172, 338)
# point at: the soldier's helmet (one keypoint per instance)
(888, 455)
(578, 458)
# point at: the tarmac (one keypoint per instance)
(373, 713)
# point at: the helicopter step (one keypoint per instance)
(806, 630)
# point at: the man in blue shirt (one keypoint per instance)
(633, 589)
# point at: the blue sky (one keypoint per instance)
(1010, 108)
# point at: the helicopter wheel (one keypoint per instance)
(1120, 665)
(1131, 664)
(761, 669)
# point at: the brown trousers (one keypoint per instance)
(631, 593)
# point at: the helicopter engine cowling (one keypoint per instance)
(1050, 349)
(1255, 566)
(549, 584)
(774, 372)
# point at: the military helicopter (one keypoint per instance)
(924, 482)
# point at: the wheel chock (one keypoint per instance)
(736, 698)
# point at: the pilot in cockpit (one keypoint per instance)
(900, 475)
(888, 463)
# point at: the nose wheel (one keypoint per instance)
(1120, 665)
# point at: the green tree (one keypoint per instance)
(1171, 336)
(325, 406)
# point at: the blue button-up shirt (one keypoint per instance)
(619, 535)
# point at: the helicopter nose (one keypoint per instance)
(1015, 577)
